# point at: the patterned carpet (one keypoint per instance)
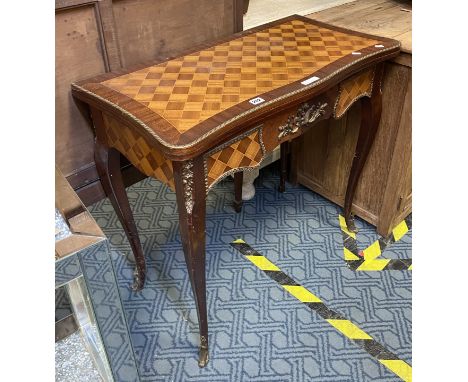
(62, 304)
(258, 331)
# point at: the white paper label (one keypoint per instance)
(309, 80)
(256, 101)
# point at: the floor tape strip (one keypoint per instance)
(368, 259)
(339, 322)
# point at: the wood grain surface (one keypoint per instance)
(386, 18)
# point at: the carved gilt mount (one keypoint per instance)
(187, 179)
(305, 114)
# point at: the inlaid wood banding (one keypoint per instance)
(244, 153)
(355, 87)
(136, 148)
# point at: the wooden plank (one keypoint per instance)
(342, 11)
(84, 176)
(386, 18)
(106, 16)
(78, 54)
(62, 4)
(404, 59)
(149, 29)
(238, 15)
(398, 193)
(316, 153)
(370, 191)
(332, 196)
(406, 41)
(388, 22)
(93, 192)
(322, 153)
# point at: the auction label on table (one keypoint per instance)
(257, 100)
(310, 80)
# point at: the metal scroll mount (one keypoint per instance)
(305, 114)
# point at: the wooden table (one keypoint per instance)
(219, 109)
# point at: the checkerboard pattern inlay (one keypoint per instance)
(354, 87)
(246, 152)
(188, 90)
(138, 151)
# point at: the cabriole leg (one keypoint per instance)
(370, 119)
(191, 203)
(107, 161)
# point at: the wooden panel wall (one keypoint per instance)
(92, 37)
(79, 52)
(142, 36)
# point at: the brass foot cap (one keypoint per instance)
(350, 225)
(138, 281)
(203, 357)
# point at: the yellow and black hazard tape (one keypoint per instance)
(340, 323)
(368, 260)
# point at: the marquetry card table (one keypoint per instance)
(220, 109)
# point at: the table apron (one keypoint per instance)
(247, 150)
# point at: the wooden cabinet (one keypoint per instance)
(383, 197)
(93, 37)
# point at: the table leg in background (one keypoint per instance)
(238, 180)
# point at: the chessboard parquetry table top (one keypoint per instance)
(184, 100)
(190, 120)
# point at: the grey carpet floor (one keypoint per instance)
(258, 332)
